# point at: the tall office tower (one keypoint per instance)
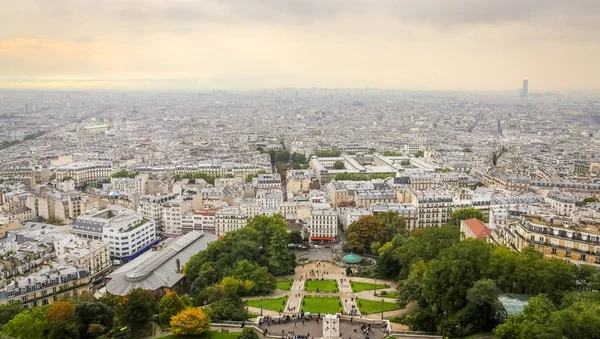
(525, 88)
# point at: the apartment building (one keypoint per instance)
(173, 211)
(322, 225)
(137, 185)
(272, 198)
(65, 249)
(553, 239)
(409, 212)
(229, 219)
(298, 182)
(128, 233)
(151, 207)
(85, 172)
(562, 203)
(202, 220)
(268, 181)
(435, 207)
(295, 210)
(347, 216)
(46, 286)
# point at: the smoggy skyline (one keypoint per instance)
(251, 44)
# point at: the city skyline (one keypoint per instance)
(432, 45)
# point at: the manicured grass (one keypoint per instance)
(275, 304)
(321, 285)
(393, 294)
(362, 286)
(374, 306)
(321, 305)
(284, 284)
(207, 335)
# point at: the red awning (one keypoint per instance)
(322, 238)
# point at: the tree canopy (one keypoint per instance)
(256, 253)
(190, 321)
(463, 214)
(457, 286)
(338, 165)
(364, 232)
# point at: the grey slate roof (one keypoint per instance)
(157, 268)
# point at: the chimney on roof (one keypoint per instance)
(178, 264)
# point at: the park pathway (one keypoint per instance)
(294, 302)
(298, 285)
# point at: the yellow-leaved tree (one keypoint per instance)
(191, 321)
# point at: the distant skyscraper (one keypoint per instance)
(525, 88)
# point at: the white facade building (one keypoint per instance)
(322, 225)
(127, 232)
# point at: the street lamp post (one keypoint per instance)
(375, 293)
(381, 308)
(261, 312)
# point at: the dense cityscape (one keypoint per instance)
(375, 213)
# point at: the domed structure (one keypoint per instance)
(352, 258)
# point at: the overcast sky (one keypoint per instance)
(251, 44)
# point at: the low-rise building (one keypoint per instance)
(474, 228)
(159, 270)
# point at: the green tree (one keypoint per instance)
(420, 154)
(388, 267)
(534, 322)
(580, 320)
(362, 233)
(483, 311)
(248, 333)
(169, 305)
(338, 165)
(283, 156)
(27, 325)
(425, 244)
(411, 289)
(264, 281)
(7, 312)
(138, 308)
(281, 259)
(590, 200)
(228, 308)
(405, 162)
(295, 237)
(63, 330)
(394, 223)
(445, 170)
(93, 313)
(54, 221)
(450, 276)
(463, 214)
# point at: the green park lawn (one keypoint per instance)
(363, 286)
(207, 335)
(285, 285)
(392, 294)
(321, 305)
(275, 304)
(321, 285)
(374, 306)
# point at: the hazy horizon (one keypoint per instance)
(439, 45)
